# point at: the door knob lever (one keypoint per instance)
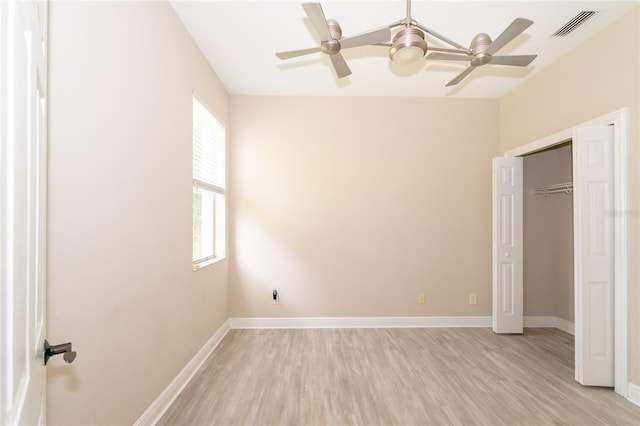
(65, 349)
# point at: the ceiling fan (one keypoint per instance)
(482, 51)
(409, 43)
(331, 41)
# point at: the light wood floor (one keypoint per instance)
(428, 376)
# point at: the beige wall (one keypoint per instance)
(548, 236)
(598, 77)
(353, 206)
(120, 281)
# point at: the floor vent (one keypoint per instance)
(574, 23)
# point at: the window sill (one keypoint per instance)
(201, 265)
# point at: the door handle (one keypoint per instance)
(65, 349)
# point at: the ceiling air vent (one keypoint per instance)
(574, 23)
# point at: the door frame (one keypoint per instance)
(620, 121)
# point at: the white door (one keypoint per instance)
(507, 245)
(593, 171)
(23, 88)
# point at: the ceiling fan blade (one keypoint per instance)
(512, 31)
(370, 37)
(340, 65)
(513, 60)
(460, 77)
(316, 15)
(448, 57)
(296, 53)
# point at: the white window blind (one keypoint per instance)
(208, 149)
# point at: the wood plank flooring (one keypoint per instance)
(422, 376)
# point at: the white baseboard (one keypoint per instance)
(566, 326)
(391, 322)
(634, 393)
(540, 322)
(549, 322)
(359, 322)
(166, 398)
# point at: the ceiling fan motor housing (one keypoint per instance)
(478, 45)
(332, 46)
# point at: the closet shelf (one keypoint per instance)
(566, 187)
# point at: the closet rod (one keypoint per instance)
(566, 187)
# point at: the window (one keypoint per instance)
(208, 186)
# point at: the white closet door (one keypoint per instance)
(594, 267)
(507, 245)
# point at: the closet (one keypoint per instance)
(533, 276)
(548, 234)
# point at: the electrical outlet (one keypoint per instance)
(275, 298)
(473, 300)
(421, 299)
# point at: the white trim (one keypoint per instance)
(544, 143)
(618, 118)
(549, 322)
(391, 322)
(620, 121)
(634, 393)
(566, 326)
(166, 398)
(621, 247)
(540, 322)
(360, 322)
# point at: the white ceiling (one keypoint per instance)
(239, 38)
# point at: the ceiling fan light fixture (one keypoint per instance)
(408, 46)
